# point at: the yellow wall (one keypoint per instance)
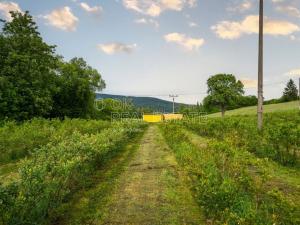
(153, 118)
(173, 116)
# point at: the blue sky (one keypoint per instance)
(162, 47)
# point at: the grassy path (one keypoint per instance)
(152, 190)
(89, 206)
(142, 186)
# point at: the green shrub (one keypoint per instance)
(56, 170)
(229, 183)
(279, 141)
(18, 140)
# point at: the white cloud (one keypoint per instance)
(63, 19)
(293, 37)
(147, 21)
(290, 10)
(278, 1)
(141, 21)
(156, 7)
(249, 83)
(184, 41)
(112, 48)
(192, 3)
(94, 9)
(6, 7)
(293, 73)
(172, 4)
(192, 24)
(241, 7)
(235, 29)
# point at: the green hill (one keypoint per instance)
(267, 109)
(155, 104)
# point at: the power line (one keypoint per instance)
(185, 93)
(173, 97)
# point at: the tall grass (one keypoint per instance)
(19, 140)
(229, 183)
(279, 141)
(56, 170)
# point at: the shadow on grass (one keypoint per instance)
(88, 204)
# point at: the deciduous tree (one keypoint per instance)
(223, 91)
(77, 82)
(27, 67)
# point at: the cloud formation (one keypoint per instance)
(249, 83)
(241, 7)
(293, 73)
(278, 1)
(112, 48)
(236, 29)
(156, 7)
(63, 19)
(192, 24)
(6, 7)
(290, 10)
(188, 43)
(94, 9)
(147, 21)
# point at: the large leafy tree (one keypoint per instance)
(290, 92)
(35, 82)
(27, 66)
(223, 91)
(77, 82)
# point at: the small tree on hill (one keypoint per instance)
(290, 92)
(223, 91)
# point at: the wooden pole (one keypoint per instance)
(299, 93)
(260, 67)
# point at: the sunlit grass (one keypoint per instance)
(267, 109)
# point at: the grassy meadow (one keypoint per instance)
(78, 171)
(251, 110)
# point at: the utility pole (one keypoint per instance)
(299, 93)
(173, 97)
(260, 67)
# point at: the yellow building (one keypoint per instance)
(153, 118)
(173, 117)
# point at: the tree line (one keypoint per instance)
(225, 92)
(36, 82)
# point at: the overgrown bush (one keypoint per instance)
(58, 169)
(18, 140)
(229, 183)
(280, 139)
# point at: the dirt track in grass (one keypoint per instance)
(152, 190)
(141, 186)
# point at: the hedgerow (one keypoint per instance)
(279, 141)
(229, 183)
(18, 140)
(56, 170)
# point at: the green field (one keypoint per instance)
(212, 171)
(267, 109)
(69, 156)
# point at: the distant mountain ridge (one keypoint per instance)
(155, 104)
